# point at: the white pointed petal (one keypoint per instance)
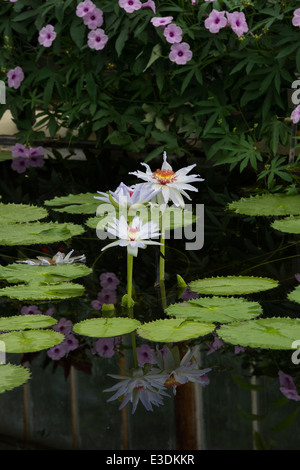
(166, 165)
(116, 243)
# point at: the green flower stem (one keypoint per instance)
(162, 249)
(129, 277)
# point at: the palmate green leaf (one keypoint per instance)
(64, 290)
(174, 330)
(12, 376)
(31, 340)
(83, 203)
(216, 309)
(287, 224)
(34, 233)
(232, 285)
(17, 213)
(267, 205)
(15, 273)
(264, 333)
(106, 327)
(26, 322)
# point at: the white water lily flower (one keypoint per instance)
(134, 235)
(59, 258)
(126, 196)
(169, 184)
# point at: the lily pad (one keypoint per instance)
(267, 205)
(42, 274)
(174, 330)
(26, 322)
(295, 295)
(12, 376)
(83, 203)
(215, 309)
(232, 285)
(287, 225)
(38, 233)
(106, 327)
(64, 290)
(264, 333)
(19, 213)
(30, 340)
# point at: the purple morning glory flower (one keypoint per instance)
(238, 23)
(217, 344)
(20, 164)
(36, 157)
(173, 33)
(109, 281)
(180, 53)
(57, 352)
(107, 297)
(161, 21)
(295, 116)
(130, 5)
(85, 8)
(296, 17)
(94, 19)
(150, 4)
(19, 150)
(30, 310)
(105, 347)
(63, 326)
(215, 21)
(47, 35)
(145, 355)
(15, 77)
(97, 39)
(288, 387)
(71, 342)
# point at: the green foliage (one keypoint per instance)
(287, 225)
(31, 340)
(25, 322)
(12, 376)
(267, 205)
(106, 327)
(174, 330)
(18, 213)
(232, 285)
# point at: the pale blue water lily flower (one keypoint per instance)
(134, 235)
(127, 196)
(138, 386)
(59, 258)
(169, 184)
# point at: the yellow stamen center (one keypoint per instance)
(132, 233)
(164, 176)
(171, 381)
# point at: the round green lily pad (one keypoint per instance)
(41, 274)
(267, 205)
(294, 295)
(30, 340)
(264, 333)
(83, 203)
(106, 327)
(232, 285)
(64, 290)
(288, 225)
(12, 376)
(26, 322)
(18, 213)
(174, 330)
(216, 309)
(33, 233)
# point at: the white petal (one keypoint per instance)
(166, 165)
(116, 243)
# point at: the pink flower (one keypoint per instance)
(161, 21)
(47, 35)
(94, 20)
(173, 33)
(150, 4)
(15, 77)
(180, 53)
(36, 156)
(97, 39)
(295, 116)
(19, 150)
(296, 17)
(20, 164)
(287, 386)
(238, 23)
(85, 8)
(130, 5)
(215, 21)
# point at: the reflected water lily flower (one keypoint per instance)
(59, 258)
(134, 235)
(169, 184)
(138, 386)
(126, 196)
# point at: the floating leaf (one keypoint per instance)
(30, 340)
(64, 290)
(38, 233)
(43, 274)
(12, 376)
(18, 213)
(267, 205)
(215, 309)
(26, 322)
(232, 285)
(106, 327)
(288, 225)
(83, 203)
(295, 295)
(265, 333)
(173, 330)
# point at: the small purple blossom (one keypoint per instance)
(161, 21)
(47, 35)
(180, 53)
(107, 297)
(63, 326)
(97, 39)
(30, 310)
(215, 21)
(57, 352)
(20, 164)
(288, 387)
(295, 116)
(145, 355)
(85, 8)
(109, 281)
(94, 19)
(105, 347)
(96, 304)
(238, 23)
(297, 276)
(296, 17)
(15, 77)
(150, 4)
(19, 150)
(71, 342)
(130, 5)
(36, 156)
(217, 344)
(173, 33)
(188, 294)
